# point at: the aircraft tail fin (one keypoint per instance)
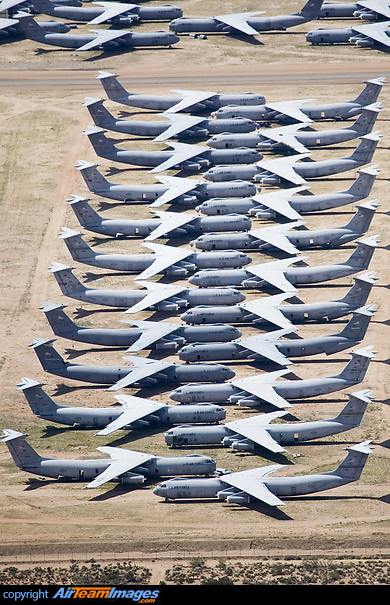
(43, 6)
(38, 400)
(361, 188)
(355, 370)
(102, 146)
(78, 248)
(113, 89)
(364, 152)
(99, 114)
(362, 255)
(370, 92)
(361, 220)
(361, 289)
(85, 214)
(94, 180)
(351, 467)
(30, 28)
(60, 323)
(22, 452)
(357, 326)
(351, 415)
(68, 283)
(311, 9)
(49, 358)
(365, 121)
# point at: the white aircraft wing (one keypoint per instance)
(239, 22)
(286, 135)
(262, 387)
(6, 4)
(166, 256)
(260, 344)
(284, 168)
(251, 482)
(113, 9)
(254, 428)
(4, 23)
(143, 368)
(177, 186)
(181, 153)
(190, 97)
(279, 201)
(103, 36)
(170, 221)
(274, 273)
(178, 124)
(276, 236)
(292, 109)
(151, 332)
(267, 308)
(122, 462)
(135, 408)
(375, 31)
(381, 7)
(157, 293)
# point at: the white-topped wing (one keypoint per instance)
(267, 309)
(177, 186)
(122, 462)
(103, 36)
(279, 201)
(157, 293)
(262, 387)
(151, 332)
(190, 97)
(254, 428)
(169, 222)
(375, 31)
(178, 125)
(6, 4)
(276, 236)
(251, 482)
(292, 109)
(286, 135)
(381, 7)
(284, 168)
(262, 346)
(112, 9)
(135, 408)
(4, 23)
(181, 153)
(143, 368)
(166, 256)
(240, 21)
(274, 273)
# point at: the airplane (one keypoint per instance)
(246, 23)
(146, 335)
(191, 101)
(270, 310)
(104, 39)
(252, 391)
(11, 27)
(167, 259)
(246, 434)
(269, 347)
(290, 171)
(288, 204)
(133, 413)
(368, 10)
(183, 156)
(172, 126)
(272, 139)
(254, 485)
(158, 297)
(281, 236)
(363, 36)
(124, 466)
(114, 13)
(144, 371)
(171, 190)
(301, 110)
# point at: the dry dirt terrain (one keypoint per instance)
(41, 124)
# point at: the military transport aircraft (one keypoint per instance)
(145, 335)
(124, 466)
(364, 36)
(144, 371)
(160, 297)
(252, 391)
(251, 485)
(11, 27)
(246, 434)
(133, 413)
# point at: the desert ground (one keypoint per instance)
(41, 125)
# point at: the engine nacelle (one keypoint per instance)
(197, 132)
(364, 43)
(238, 499)
(245, 445)
(165, 343)
(270, 180)
(265, 214)
(189, 199)
(132, 479)
(365, 15)
(175, 270)
(165, 306)
(227, 441)
(248, 402)
(224, 494)
(252, 283)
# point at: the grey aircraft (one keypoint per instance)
(183, 157)
(158, 297)
(124, 466)
(272, 139)
(302, 110)
(270, 310)
(288, 204)
(143, 372)
(133, 413)
(11, 27)
(252, 391)
(246, 434)
(367, 10)
(363, 36)
(104, 39)
(179, 126)
(191, 101)
(254, 485)
(246, 23)
(171, 261)
(162, 336)
(291, 171)
(171, 190)
(279, 236)
(114, 13)
(168, 224)
(269, 347)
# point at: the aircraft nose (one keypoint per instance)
(159, 491)
(194, 280)
(240, 297)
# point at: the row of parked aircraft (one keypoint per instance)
(248, 23)
(201, 387)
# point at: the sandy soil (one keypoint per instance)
(40, 125)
